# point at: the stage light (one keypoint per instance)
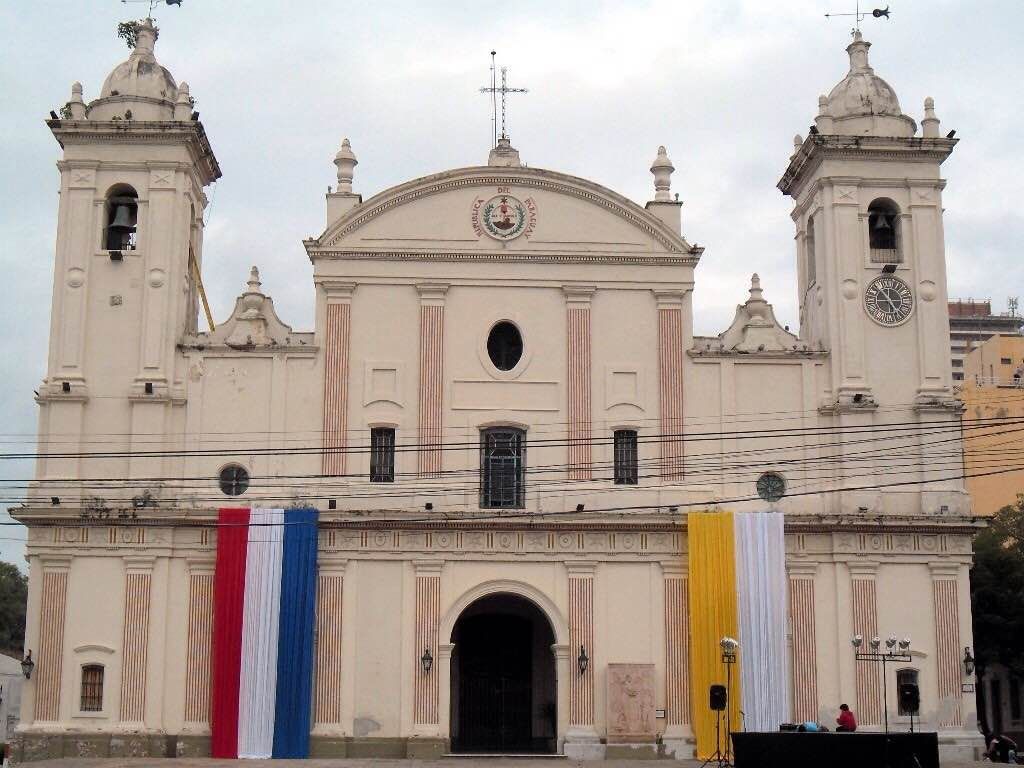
(857, 641)
(875, 643)
(890, 643)
(905, 644)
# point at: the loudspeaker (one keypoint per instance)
(910, 698)
(718, 697)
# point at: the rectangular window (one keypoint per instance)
(625, 457)
(502, 468)
(382, 455)
(812, 256)
(1006, 361)
(92, 688)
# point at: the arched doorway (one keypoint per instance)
(503, 689)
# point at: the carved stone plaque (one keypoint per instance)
(630, 703)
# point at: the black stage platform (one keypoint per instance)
(788, 749)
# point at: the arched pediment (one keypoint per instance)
(553, 212)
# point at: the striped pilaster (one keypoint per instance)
(337, 341)
(581, 635)
(135, 640)
(805, 653)
(49, 659)
(677, 648)
(329, 595)
(431, 380)
(670, 382)
(198, 655)
(579, 379)
(428, 611)
(865, 623)
(947, 643)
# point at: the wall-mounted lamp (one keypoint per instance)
(583, 661)
(968, 662)
(580, 507)
(426, 661)
(27, 665)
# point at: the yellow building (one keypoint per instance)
(993, 389)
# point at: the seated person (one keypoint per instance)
(846, 721)
(1001, 749)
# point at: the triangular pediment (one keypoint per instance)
(488, 210)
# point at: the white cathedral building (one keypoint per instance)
(501, 434)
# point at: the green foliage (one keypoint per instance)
(13, 598)
(129, 32)
(997, 590)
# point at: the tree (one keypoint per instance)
(997, 590)
(13, 600)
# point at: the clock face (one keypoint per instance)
(888, 300)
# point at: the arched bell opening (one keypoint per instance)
(503, 682)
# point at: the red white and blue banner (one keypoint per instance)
(264, 607)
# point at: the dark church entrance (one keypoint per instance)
(503, 678)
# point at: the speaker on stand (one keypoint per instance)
(718, 702)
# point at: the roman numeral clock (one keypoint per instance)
(888, 300)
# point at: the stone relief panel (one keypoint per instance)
(630, 703)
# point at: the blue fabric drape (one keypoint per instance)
(294, 699)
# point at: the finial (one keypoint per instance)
(930, 123)
(77, 105)
(662, 169)
(755, 288)
(504, 155)
(798, 143)
(346, 162)
(183, 104)
(823, 121)
(858, 51)
(254, 280)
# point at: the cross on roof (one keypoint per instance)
(494, 89)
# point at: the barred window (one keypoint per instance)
(382, 455)
(502, 465)
(92, 688)
(625, 457)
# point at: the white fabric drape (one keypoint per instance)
(762, 589)
(258, 683)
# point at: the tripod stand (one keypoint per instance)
(720, 703)
(718, 758)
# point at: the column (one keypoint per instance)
(431, 381)
(926, 256)
(428, 609)
(327, 696)
(844, 237)
(945, 595)
(865, 623)
(135, 639)
(581, 740)
(677, 656)
(50, 655)
(337, 339)
(577, 299)
(198, 655)
(670, 382)
(805, 648)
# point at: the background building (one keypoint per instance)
(973, 322)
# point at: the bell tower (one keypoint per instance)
(867, 195)
(128, 252)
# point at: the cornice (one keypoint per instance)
(317, 253)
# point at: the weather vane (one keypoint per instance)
(860, 15)
(494, 90)
(153, 4)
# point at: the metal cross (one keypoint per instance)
(152, 4)
(859, 15)
(494, 90)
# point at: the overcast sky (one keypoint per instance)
(723, 84)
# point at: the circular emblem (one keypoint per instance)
(503, 217)
(771, 486)
(888, 300)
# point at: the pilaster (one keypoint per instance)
(337, 340)
(582, 741)
(677, 660)
(945, 597)
(50, 657)
(577, 301)
(428, 610)
(199, 650)
(135, 639)
(329, 679)
(431, 378)
(865, 623)
(802, 623)
(671, 351)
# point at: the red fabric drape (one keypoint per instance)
(226, 656)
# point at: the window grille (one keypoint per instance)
(625, 457)
(502, 465)
(92, 688)
(382, 455)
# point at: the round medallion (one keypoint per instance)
(503, 217)
(888, 300)
(771, 487)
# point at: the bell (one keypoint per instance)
(123, 219)
(882, 221)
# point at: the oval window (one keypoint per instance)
(234, 480)
(505, 346)
(771, 487)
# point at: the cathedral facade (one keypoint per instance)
(500, 436)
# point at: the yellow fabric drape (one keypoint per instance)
(713, 615)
